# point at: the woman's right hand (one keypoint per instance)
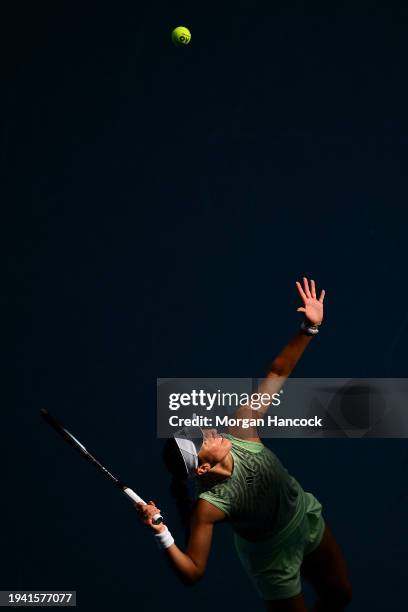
(146, 513)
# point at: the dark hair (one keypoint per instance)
(181, 488)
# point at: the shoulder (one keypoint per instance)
(246, 442)
(205, 512)
(255, 439)
(244, 425)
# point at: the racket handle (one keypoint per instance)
(133, 496)
(157, 519)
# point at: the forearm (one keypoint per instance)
(181, 564)
(312, 310)
(281, 368)
(189, 566)
(283, 365)
(285, 362)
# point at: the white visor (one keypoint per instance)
(189, 441)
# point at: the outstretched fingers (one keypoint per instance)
(306, 286)
(309, 293)
(301, 292)
(313, 288)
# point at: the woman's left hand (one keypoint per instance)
(312, 307)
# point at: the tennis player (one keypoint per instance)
(279, 531)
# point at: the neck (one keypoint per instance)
(223, 468)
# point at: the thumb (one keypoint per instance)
(301, 309)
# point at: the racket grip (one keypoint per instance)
(133, 496)
(157, 519)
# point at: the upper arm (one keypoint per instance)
(267, 388)
(204, 517)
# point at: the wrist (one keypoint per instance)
(159, 528)
(309, 328)
(164, 539)
(310, 323)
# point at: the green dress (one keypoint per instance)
(275, 521)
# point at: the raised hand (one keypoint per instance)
(312, 307)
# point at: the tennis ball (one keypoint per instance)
(181, 36)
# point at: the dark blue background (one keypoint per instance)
(159, 205)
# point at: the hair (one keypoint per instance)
(181, 487)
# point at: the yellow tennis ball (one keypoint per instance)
(181, 36)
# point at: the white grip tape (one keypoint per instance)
(164, 539)
(134, 496)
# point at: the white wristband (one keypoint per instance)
(164, 539)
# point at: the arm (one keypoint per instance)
(283, 365)
(189, 566)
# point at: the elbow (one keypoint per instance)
(281, 368)
(277, 371)
(192, 578)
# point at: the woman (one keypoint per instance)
(279, 532)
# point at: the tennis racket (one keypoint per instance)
(68, 437)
